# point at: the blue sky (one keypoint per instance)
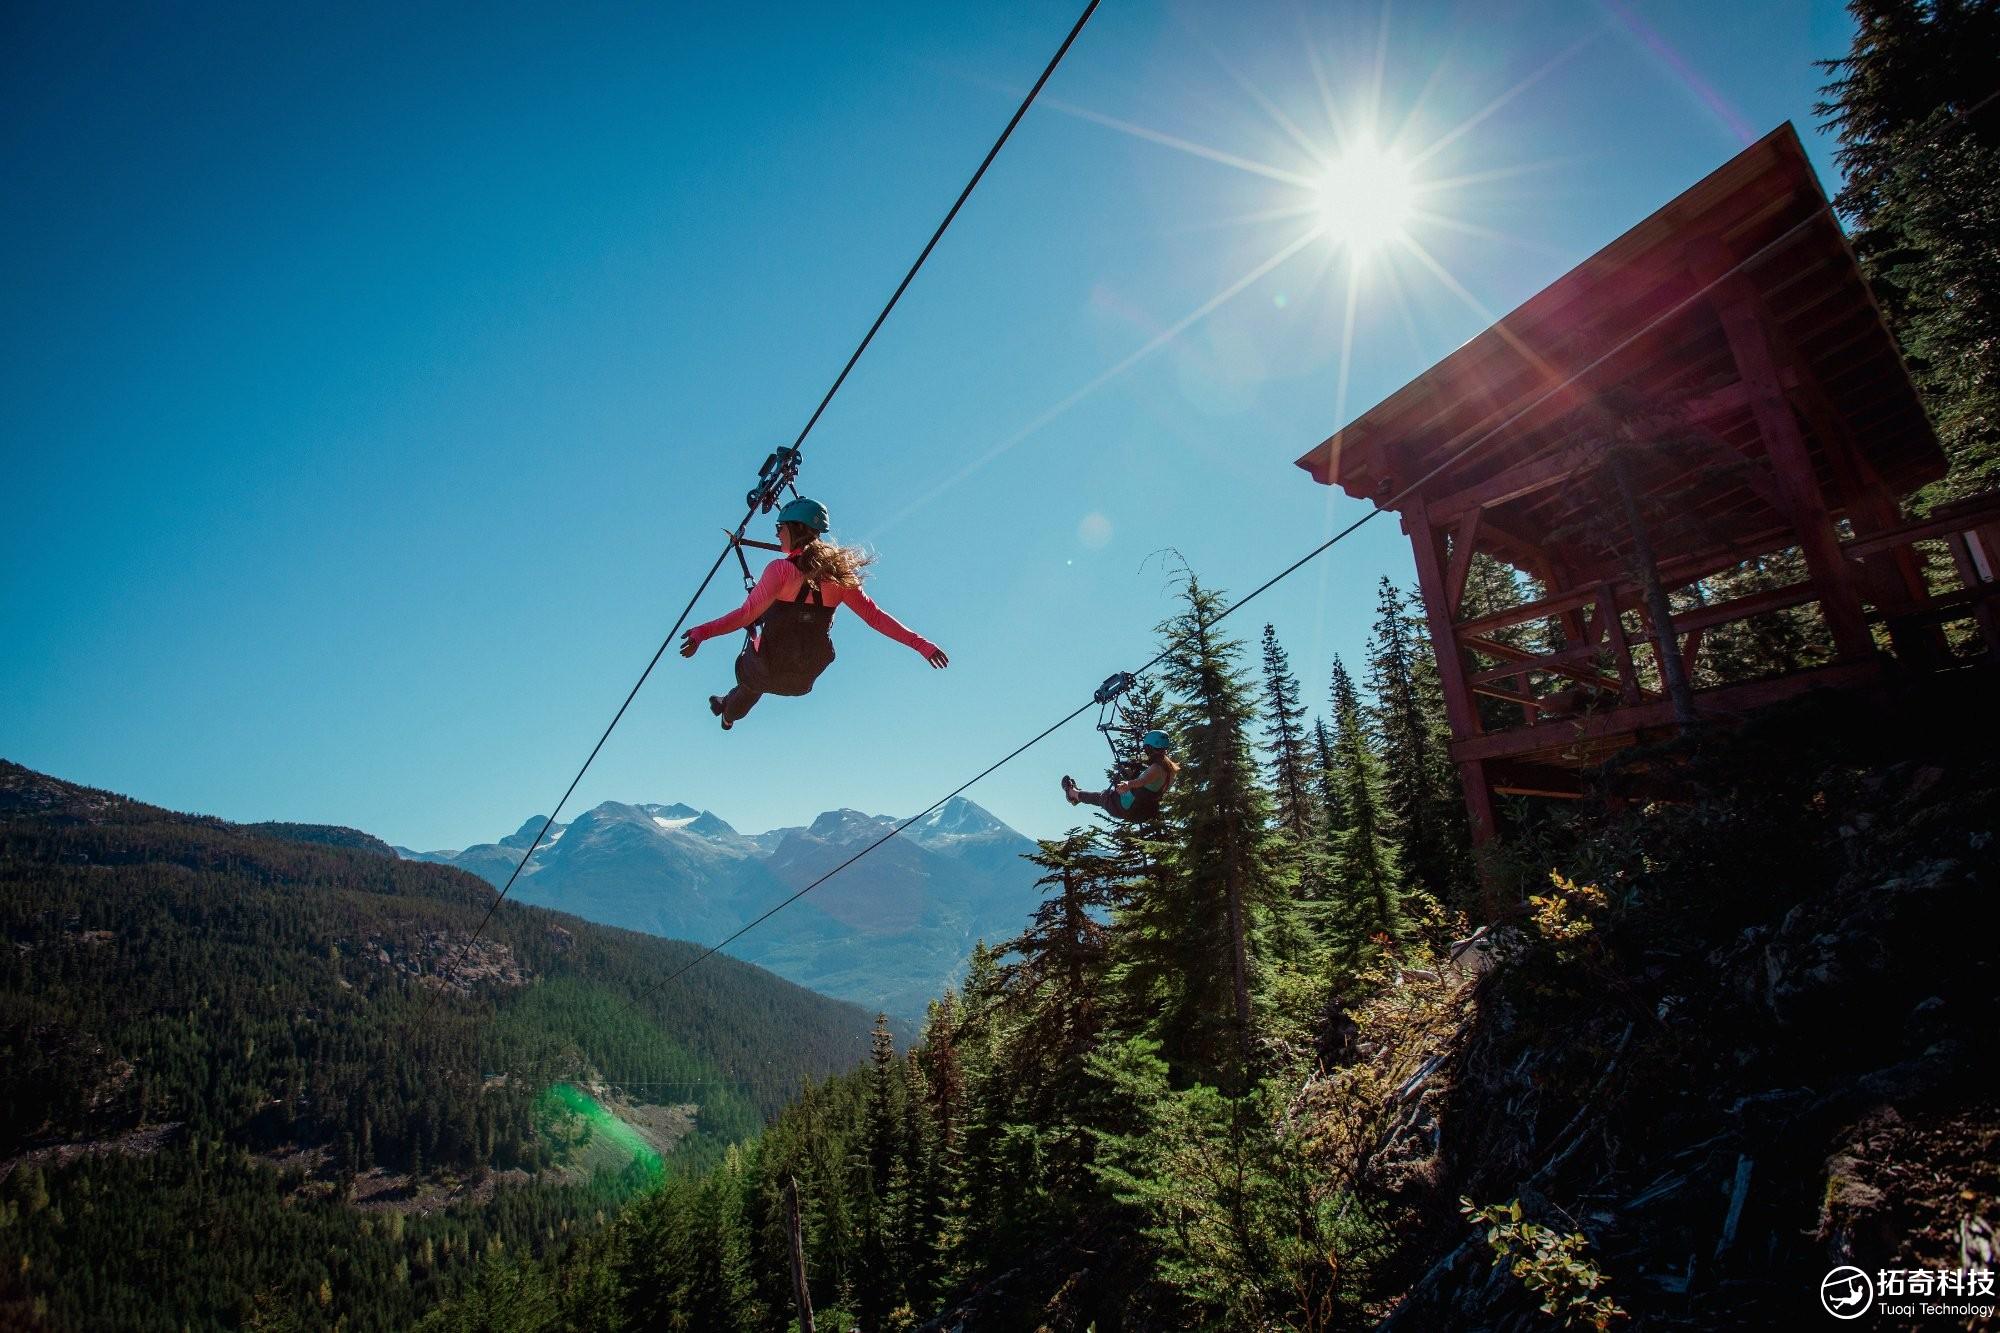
(373, 386)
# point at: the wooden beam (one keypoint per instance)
(1691, 651)
(1557, 578)
(1629, 688)
(1464, 542)
(1720, 702)
(1559, 664)
(1513, 778)
(1569, 662)
(1742, 608)
(1729, 399)
(1742, 313)
(1929, 529)
(1755, 474)
(1458, 705)
(1894, 580)
(1485, 825)
(1792, 463)
(1526, 611)
(1461, 710)
(1514, 482)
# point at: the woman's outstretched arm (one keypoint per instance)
(769, 589)
(883, 623)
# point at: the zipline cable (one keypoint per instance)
(1382, 506)
(957, 204)
(1076, 30)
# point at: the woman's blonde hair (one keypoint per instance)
(825, 561)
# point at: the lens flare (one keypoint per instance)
(1365, 198)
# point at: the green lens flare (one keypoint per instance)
(593, 1123)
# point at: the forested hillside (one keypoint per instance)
(1700, 1033)
(218, 1042)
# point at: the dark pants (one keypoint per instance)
(1141, 804)
(754, 680)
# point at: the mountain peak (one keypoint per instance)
(531, 826)
(844, 823)
(959, 815)
(708, 825)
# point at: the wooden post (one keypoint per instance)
(1460, 709)
(1894, 580)
(1621, 651)
(1741, 311)
(1673, 672)
(1557, 578)
(798, 1255)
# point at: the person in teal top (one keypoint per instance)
(1138, 798)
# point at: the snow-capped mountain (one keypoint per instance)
(890, 931)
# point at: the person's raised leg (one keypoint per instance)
(750, 677)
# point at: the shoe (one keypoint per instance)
(715, 704)
(1069, 788)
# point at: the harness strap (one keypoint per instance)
(809, 593)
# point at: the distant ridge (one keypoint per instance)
(889, 933)
(325, 835)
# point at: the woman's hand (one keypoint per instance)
(689, 643)
(938, 659)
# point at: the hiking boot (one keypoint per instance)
(1069, 788)
(715, 707)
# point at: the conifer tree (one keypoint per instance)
(877, 1288)
(944, 1099)
(1186, 960)
(1333, 815)
(1448, 797)
(1417, 789)
(986, 1162)
(1365, 867)
(1285, 740)
(911, 1185)
(1912, 103)
(1053, 978)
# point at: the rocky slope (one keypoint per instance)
(1767, 1052)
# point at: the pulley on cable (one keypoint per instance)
(779, 473)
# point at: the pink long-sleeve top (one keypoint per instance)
(781, 581)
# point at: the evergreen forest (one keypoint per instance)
(267, 1068)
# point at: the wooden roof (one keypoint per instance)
(1637, 324)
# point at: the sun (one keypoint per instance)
(1364, 199)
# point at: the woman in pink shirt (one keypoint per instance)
(792, 607)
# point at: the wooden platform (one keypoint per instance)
(1714, 387)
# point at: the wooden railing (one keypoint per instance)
(1596, 667)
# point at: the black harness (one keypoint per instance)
(793, 640)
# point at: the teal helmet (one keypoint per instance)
(806, 513)
(1156, 740)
